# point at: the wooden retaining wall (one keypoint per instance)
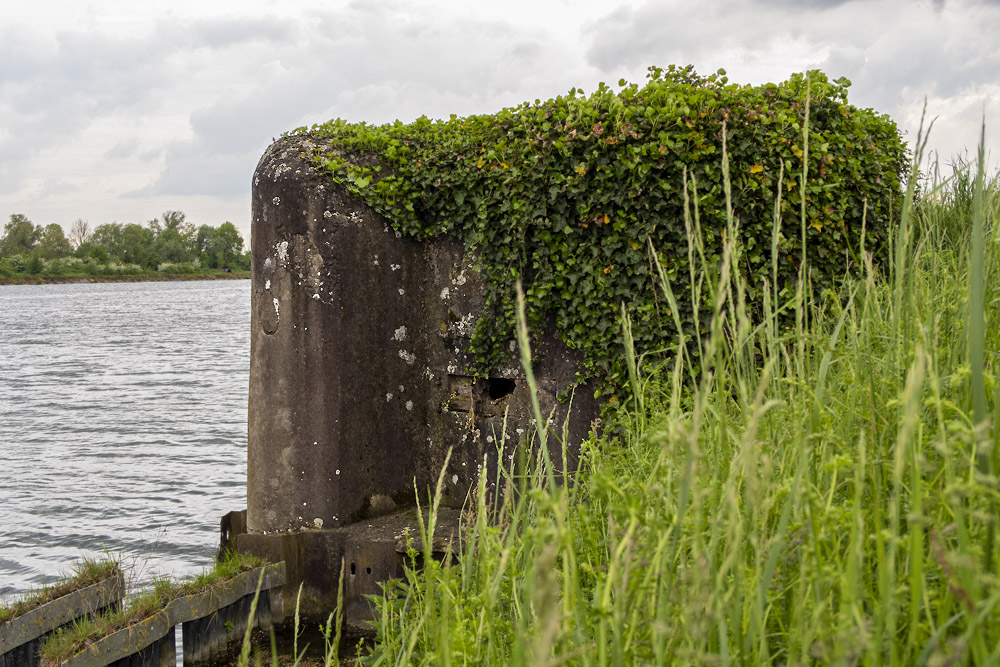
(21, 637)
(210, 621)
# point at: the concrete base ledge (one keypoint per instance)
(135, 638)
(371, 552)
(66, 609)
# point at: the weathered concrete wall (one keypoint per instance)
(358, 379)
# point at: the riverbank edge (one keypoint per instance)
(136, 278)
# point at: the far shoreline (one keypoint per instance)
(134, 278)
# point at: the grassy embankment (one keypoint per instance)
(823, 489)
(122, 278)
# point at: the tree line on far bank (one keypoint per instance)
(169, 244)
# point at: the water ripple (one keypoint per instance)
(122, 424)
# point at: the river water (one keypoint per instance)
(123, 417)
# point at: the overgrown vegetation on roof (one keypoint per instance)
(575, 194)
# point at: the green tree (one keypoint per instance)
(131, 243)
(175, 238)
(53, 243)
(207, 242)
(99, 254)
(20, 236)
(229, 245)
(136, 242)
(177, 220)
(109, 237)
(172, 246)
(220, 248)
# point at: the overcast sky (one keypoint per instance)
(117, 111)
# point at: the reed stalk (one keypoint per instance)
(814, 482)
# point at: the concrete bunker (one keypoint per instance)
(360, 384)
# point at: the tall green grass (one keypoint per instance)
(820, 489)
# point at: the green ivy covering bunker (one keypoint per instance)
(571, 196)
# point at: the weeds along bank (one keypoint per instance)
(121, 278)
(91, 619)
(826, 494)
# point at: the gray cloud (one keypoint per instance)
(229, 137)
(805, 4)
(123, 150)
(201, 99)
(53, 89)
(96, 73)
(896, 53)
(886, 54)
(54, 187)
(230, 32)
(49, 93)
(191, 171)
(367, 62)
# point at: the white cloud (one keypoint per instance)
(363, 63)
(122, 110)
(896, 53)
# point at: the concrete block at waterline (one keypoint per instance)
(369, 550)
(312, 558)
(209, 638)
(374, 552)
(230, 525)
(359, 381)
(35, 624)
